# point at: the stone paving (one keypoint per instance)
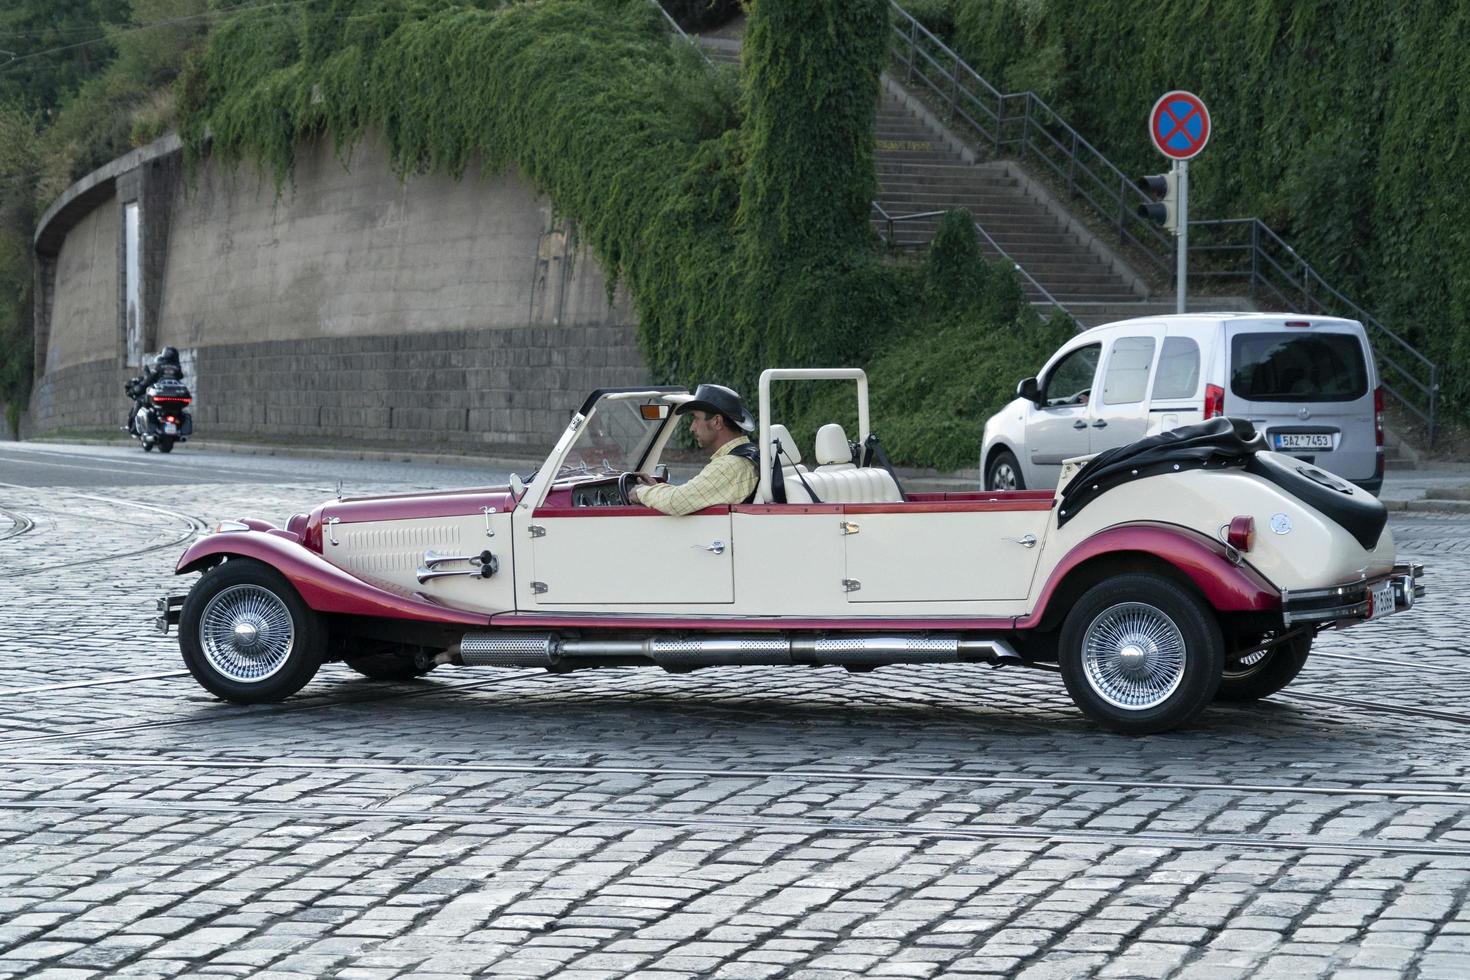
(909, 822)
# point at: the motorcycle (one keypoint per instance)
(161, 415)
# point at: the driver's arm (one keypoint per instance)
(725, 480)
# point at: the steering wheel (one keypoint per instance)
(625, 485)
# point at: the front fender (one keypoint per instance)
(1226, 586)
(322, 585)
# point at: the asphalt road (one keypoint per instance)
(45, 464)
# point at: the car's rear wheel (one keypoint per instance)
(1141, 654)
(247, 636)
(1264, 672)
(1004, 473)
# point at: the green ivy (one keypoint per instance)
(737, 216)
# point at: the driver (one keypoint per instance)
(718, 420)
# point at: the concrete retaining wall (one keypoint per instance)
(432, 313)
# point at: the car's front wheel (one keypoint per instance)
(247, 636)
(1141, 654)
(1004, 473)
(1263, 673)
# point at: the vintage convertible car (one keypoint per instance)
(1156, 577)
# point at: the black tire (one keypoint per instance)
(283, 640)
(1141, 654)
(165, 444)
(147, 446)
(1004, 473)
(387, 667)
(1266, 673)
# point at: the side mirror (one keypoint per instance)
(516, 486)
(1029, 390)
(661, 472)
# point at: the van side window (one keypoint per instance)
(1178, 375)
(1070, 382)
(1128, 367)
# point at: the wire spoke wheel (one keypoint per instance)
(1133, 655)
(246, 633)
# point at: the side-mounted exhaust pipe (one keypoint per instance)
(687, 653)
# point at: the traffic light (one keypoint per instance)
(1164, 209)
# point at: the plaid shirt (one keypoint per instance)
(725, 479)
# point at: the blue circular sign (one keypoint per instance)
(1179, 125)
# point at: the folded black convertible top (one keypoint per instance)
(1218, 442)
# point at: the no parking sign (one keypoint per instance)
(1179, 125)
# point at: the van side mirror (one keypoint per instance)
(1029, 390)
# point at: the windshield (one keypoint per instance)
(1298, 367)
(613, 439)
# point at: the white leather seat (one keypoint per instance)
(836, 480)
(790, 452)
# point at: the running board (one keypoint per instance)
(681, 653)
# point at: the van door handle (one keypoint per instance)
(1100, 424)
(1080, 424)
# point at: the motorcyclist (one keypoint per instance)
(165, 365)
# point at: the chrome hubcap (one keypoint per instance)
(246, 633)
(1003, 477)
(1133, 656)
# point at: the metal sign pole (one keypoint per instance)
(1181, 230)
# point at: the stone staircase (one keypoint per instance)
(921, 170)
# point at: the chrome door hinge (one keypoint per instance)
(537, 531)
(851, 585)
(849, 527)
(538, 588)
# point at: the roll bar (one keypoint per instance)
(804, 374)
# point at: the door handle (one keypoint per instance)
(1100, 424)
(714, 547)
(1080, 424)
(1025, 540)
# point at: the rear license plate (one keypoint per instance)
(1304, 440)
(1382, 601)
(170, 429)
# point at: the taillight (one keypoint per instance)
(1214, 401)
(1378, 417)
(1242, 533)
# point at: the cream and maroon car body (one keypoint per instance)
(1193, 583)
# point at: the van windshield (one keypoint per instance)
(1297, 367)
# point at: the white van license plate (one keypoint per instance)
(1304, 440)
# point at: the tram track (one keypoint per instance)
(20, 524)
(1374, 707)
(193, 524)
(531, 816)
(237, 764)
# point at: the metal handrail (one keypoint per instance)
(1271, 266)
(891, 219)
(1023, 125)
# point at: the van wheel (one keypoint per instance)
(1004, 473)
(247, 636)
(1265, 672)
(1141, 654)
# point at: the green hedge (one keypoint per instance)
(1340, 125)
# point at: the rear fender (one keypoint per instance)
(322, 585)
(1228, 587)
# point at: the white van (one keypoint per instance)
(1308, 383)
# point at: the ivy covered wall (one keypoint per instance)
(1340, 124)
(737, 215)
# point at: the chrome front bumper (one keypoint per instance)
(1356, 601)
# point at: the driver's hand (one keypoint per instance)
(646, 480)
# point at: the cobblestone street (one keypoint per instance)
(736, 822)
